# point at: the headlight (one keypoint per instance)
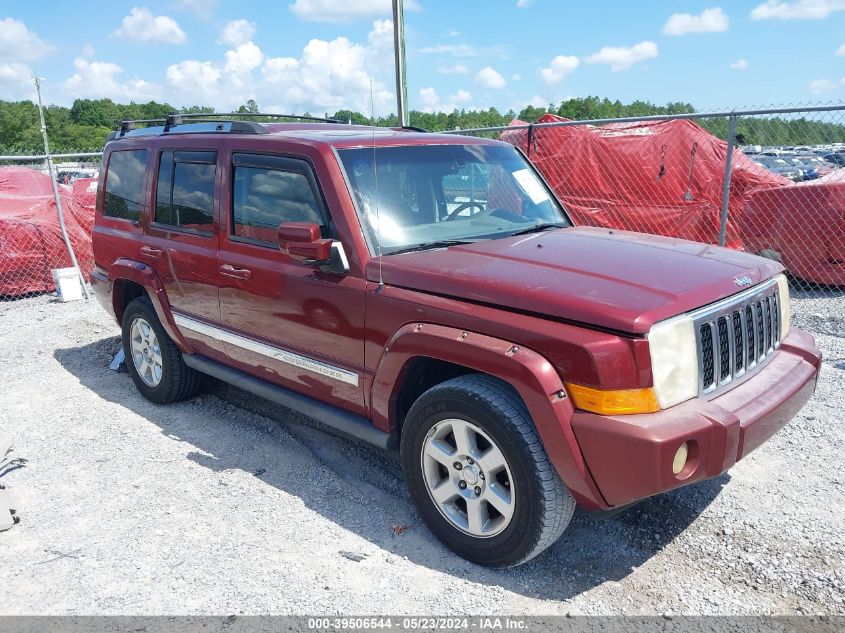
(785, 309)
(674, 360)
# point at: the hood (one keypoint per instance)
(606, 278)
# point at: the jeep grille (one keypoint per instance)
(734, 337)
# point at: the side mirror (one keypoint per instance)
(301, 240)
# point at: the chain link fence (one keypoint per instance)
(32, 243)
(769, 182)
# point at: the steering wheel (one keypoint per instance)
(466, 205)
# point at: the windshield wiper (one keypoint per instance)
(428, 245)
(543, 226)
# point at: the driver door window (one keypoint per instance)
(269, 190)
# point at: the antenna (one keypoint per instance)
(375, 178)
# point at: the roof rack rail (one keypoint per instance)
(302, 117)
(222, 122)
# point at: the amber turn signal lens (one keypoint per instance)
(613, 402)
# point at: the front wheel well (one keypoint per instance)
(420, 374)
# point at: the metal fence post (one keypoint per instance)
(399, 54)
(726, 185)
(56, 195)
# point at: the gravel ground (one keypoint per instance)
(227, 504)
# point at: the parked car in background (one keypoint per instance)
(780, 166)
(520, 364)
(807, 170)
(836, 158)
(820, 165)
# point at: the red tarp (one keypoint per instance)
(804, 224)
(654, 177)
(30, 240)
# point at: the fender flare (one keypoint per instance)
(527, 371)
(142, 274)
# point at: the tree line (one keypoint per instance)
(84, 125)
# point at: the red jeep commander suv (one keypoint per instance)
(428, 292)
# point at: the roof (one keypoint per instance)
(357, 135)
(336, 135)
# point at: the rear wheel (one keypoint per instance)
(478, 474)
(152, 358)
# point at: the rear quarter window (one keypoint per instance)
(124, 190)
(185, 190)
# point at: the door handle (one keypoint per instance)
(227, 270)
(151, 252)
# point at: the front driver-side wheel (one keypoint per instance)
(478, 473)
(152, 358)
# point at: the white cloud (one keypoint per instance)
(18, 43)
(325, 76)
(516, 77)
(142, 26)
(194, 77)
(798, 10)
(825, 85)
(96, 79)
(334, 74)
(841, 50)
(462, 96)
(200, 8)
(739, 64)
(488, 77)
(523, 4)
(16, 81)
(18, 47)
(244, 58)
(559, 68)
(344, 10)
(15, 73)
(623, 57)
(430, 100)
(456, 50)
(708, 21)
(456, 69)
(237, 32)
(537, 101)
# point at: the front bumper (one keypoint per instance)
(630, 457)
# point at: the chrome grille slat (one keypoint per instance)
(750, 355)
(739, 343)
(724, 348)
(735, 336)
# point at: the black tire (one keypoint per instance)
(543, 505)
(178, 381)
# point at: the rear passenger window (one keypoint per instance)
(125, 184)
(269, 190)
(185, 190)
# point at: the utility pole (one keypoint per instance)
(51, 170)
(399, 54)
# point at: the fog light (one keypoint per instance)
(680, 459)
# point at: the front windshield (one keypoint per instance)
(422, 195)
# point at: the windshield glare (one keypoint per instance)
(420, 194)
